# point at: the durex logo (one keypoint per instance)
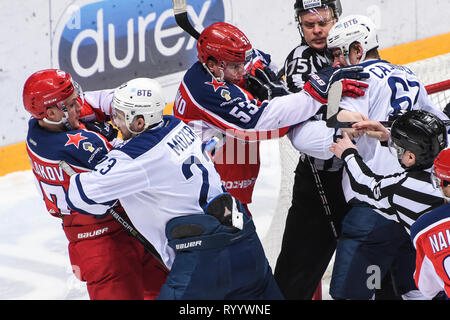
(105, 43)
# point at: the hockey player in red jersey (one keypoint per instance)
(113, 264)
(218, 97)
(238, 177)
(431, 237)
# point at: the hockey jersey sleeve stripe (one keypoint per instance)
(76, 208)
(80, 202)
(218, 115)
(229, 128)
(83, 195)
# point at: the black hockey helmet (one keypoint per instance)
(422, 133)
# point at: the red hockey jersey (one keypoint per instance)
(81, 149)
(431, 237)
(223, 109)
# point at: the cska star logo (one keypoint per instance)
(74, 139)
(216, 84)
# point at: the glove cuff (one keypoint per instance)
(312, 91)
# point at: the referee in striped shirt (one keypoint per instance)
(417, 137)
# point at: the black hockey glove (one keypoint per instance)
(221, 208)
(264, 85)
(319, 83)
(104, 128)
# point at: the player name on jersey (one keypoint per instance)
(51, 173)
(182, 140)
(440, 240)
(381, 71)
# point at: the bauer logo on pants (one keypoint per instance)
(105, 43)
(91, 234)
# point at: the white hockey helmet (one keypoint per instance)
(140, 97)
(350, 29)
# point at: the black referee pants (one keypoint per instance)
(308, 241)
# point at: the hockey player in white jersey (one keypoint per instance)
(174, 197)
(392, 90)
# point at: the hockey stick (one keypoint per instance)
(181, 17)
(323, 198)
(128, 227)
(334, 100)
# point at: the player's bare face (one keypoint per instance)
(338, 58)
(234, 72)
(64, 111)
(73, 109)
(355, 53)
(316, 24)
(118, 118)
(354, 56)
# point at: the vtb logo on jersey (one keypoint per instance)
(74, 139)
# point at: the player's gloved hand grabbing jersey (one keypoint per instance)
(104, 128)
(319, 83)
(264, 85)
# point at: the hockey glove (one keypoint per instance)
(104, 128)
(319, 83)
(264, 85)
(221, 208)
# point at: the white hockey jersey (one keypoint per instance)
(158, 175)
(393, 90)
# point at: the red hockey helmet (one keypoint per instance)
(47, 88)
(441, 169)
(225, 43)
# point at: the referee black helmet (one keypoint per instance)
(422, 133)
